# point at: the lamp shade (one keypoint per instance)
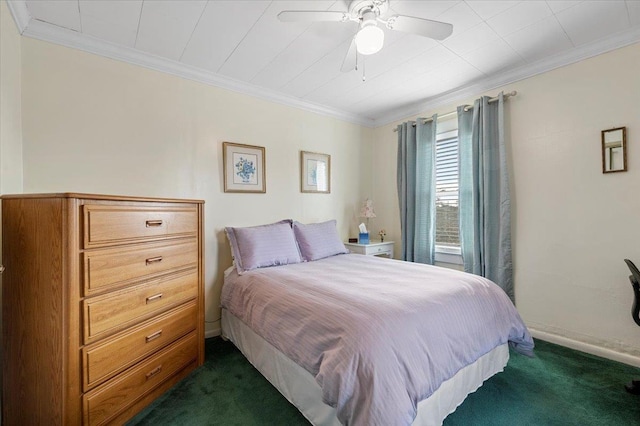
(367, 209)
(369, 39)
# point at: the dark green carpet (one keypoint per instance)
(558, 387)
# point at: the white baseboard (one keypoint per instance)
(586, 347)
(212, 333)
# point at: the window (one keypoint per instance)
(447, 222)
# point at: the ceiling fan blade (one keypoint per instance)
(350, 60)
(312, 16)
(424, 27)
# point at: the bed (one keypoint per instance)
(360, 340)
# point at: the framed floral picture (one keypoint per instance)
(315, 172)
(244, 168)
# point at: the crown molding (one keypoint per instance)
(19, 13)
(586, 51)
(63, 36)
(40, 30)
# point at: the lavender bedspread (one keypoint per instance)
(379, 335)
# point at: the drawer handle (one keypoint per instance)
(153, 336)
(153, 260)
(151, 223)
(154, 298)
(153, 372)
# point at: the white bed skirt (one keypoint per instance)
(299, 387)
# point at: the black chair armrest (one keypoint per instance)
(635, 283)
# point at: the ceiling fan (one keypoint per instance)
(370, 37)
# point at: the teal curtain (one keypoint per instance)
(416, 189)
(485, 205)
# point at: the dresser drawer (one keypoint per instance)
(109, 225)
(114, 267)
(105, 359)
(110, 313)
(380, 251)
(107, 401)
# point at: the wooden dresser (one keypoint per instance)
(102, 305)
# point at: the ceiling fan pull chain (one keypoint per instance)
(364, 70)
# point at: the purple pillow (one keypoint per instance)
(261, 246)
(318, 240)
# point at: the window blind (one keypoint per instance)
(447, 223)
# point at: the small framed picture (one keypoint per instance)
(315, 172)
(244, 168)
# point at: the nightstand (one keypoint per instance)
(373, 249)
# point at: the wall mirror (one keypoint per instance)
(614, 150)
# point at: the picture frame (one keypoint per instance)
(614, 150)
(244, 168)
(315, 172)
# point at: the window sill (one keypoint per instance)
(446, 254)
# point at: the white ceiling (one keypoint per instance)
(241, 45)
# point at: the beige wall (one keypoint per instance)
(572, 225)
(96, 125)
(10, 115)
(10, 104)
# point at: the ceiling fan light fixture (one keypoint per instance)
(369, 39)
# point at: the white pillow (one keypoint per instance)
(262, 246)
(318, 240)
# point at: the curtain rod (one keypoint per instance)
(466, 108)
